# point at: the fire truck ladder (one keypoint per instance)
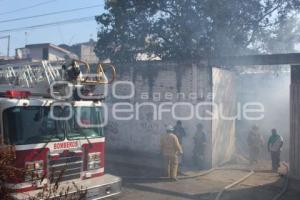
(34, 77)
(37, 77)
(51, 73)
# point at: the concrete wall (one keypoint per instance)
(55, 55)
(87, 53)
(295, 123)
(35, 53)
(161, 83)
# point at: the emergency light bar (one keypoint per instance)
(17, 94)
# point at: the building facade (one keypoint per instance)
(44, 51)
(85, 51)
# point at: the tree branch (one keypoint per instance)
(169, 12)
(256, 25)
(270, 11)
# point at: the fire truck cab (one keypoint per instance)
(56, 141)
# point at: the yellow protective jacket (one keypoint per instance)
(169, 145)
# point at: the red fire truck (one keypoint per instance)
(55, 138)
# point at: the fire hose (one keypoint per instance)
(277, 197)
(226, 188)
(234, 184)
(286, 184)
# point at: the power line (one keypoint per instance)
(70, 21)
(51, 13)
(28, 7)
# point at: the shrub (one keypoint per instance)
(9, 173)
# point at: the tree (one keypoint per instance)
(189, 29)
(284, 37)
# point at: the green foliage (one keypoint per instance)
(177, 29)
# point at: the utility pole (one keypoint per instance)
(26, 37)
(8, 43)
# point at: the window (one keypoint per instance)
(45, 53)
(31, 125)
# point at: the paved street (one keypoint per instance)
(261, 185)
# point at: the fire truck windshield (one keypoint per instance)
(34, 124)
(30, 125)
(85, 123)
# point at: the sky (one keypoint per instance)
(56, 34)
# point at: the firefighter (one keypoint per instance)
(275, 144)
(170, 149)
(180, 133)
(255, 142)
(71, 71)
(199, 147)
